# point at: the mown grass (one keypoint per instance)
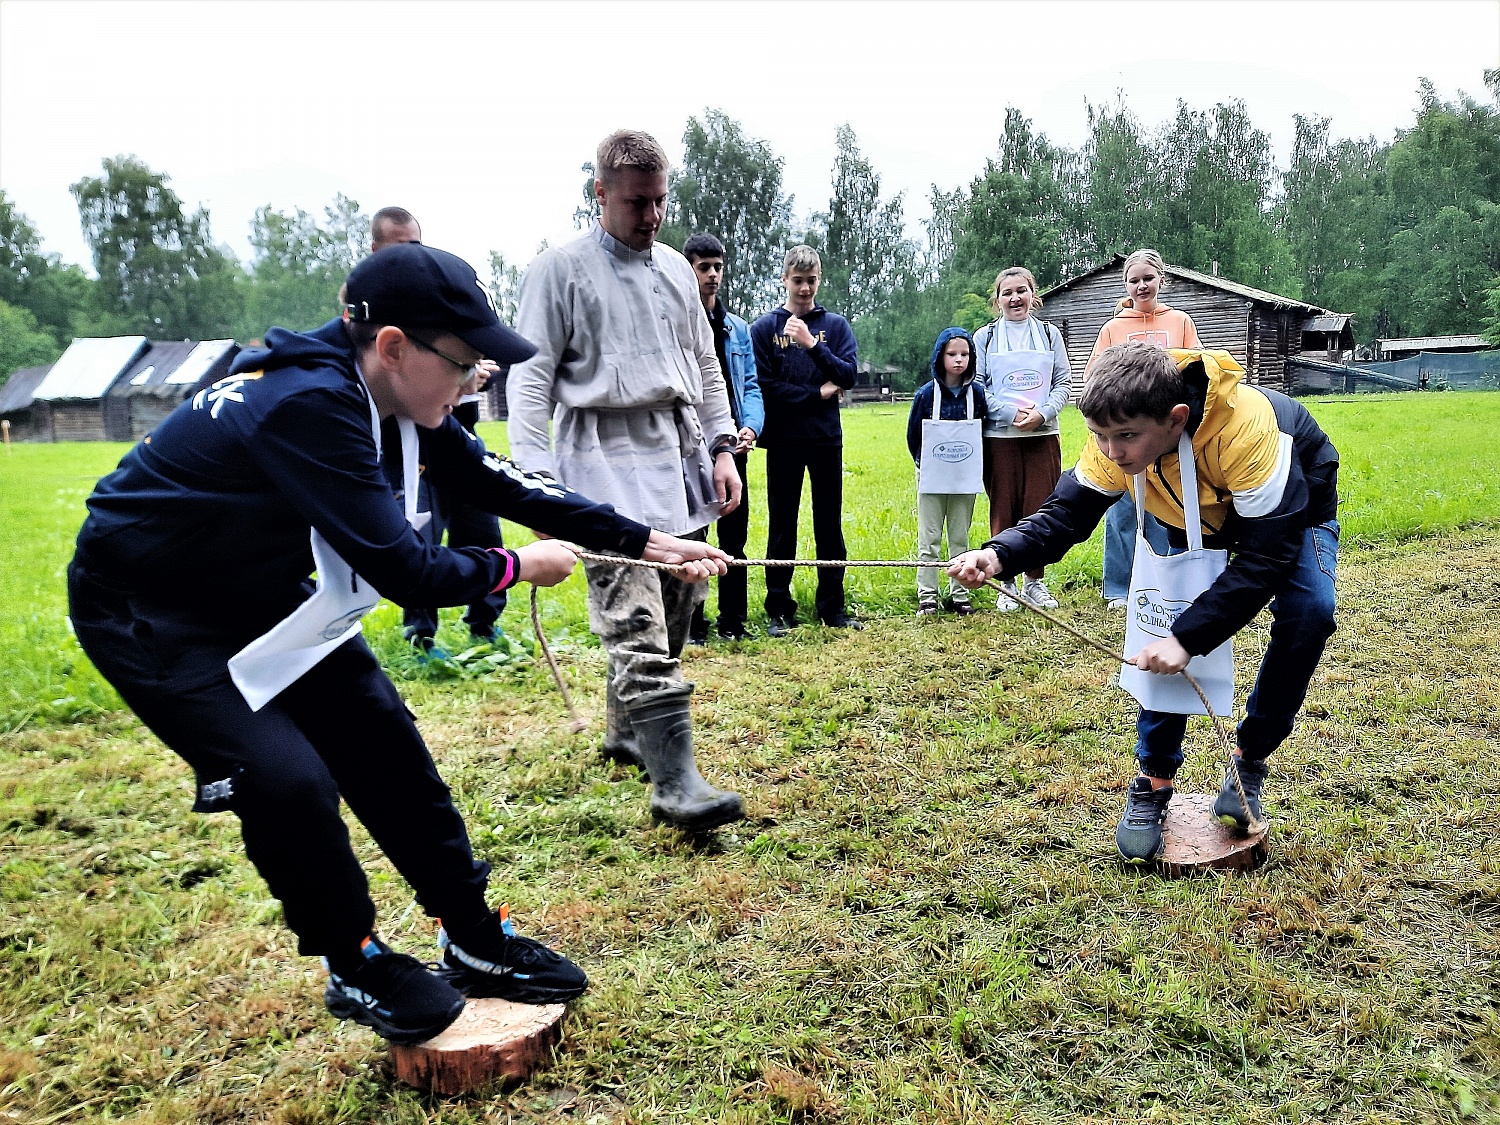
(922, 921)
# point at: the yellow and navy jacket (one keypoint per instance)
(1266, 473)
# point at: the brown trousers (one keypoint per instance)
(1019, 475)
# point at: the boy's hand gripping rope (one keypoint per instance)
(579, 723)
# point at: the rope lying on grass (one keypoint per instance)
(579, 723)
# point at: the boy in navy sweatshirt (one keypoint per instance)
(190, 592)
(804, 355)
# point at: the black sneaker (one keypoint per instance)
(394, 994)
(733, 632)
(1227, 806)
(780, 626)
(496, 961)
(698, 628)
(1138, 835)
(843, 621)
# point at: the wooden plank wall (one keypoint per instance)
(147, 412)
(1224, 320)
(82, 420)
(117, 417)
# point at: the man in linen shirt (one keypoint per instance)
(627, 375)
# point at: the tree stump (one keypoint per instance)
(491, 1039)
(1194, 840)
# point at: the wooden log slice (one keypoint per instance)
(491, 1039)
(1194, 840)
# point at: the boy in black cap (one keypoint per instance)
(190, 592)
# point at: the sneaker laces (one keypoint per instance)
(515, 952)
(1144, 804)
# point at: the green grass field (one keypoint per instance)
(921, 922)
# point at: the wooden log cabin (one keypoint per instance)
(1262, 330)
(116, 388)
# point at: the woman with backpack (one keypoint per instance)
(1023, 370)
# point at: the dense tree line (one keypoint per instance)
(1404, 234)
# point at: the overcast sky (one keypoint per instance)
(476, 116)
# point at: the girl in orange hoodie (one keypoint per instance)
(1140, 316)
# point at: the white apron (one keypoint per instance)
(952, 452)
(1161, 587)
(274, 661)
(1019, 379)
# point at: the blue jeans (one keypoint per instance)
(1301, 623)
(1119, 545)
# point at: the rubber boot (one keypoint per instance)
(679, 795)
(619, 735)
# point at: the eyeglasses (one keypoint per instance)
(470, 370)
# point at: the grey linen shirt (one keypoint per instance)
(625, 371)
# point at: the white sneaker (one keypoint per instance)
(1004, 602)
(1035, 591)
(1118, 603)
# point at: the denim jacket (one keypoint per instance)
(743, 385)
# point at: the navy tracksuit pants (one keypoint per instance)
(341, 731)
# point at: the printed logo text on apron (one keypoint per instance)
(952, 452)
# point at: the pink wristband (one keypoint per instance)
(512, 569)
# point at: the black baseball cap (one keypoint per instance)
(421, 288)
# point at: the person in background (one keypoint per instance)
(804, 356)
(705, 254)
(1142, 317)
(946, 410)
(626, 400)
(465, 524)
(1023, 369)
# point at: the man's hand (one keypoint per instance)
(745, 439)
(829, 390)
(486, 372)
(973, 569)
(545, 563)
(798, 331)
(1027, 418)
(1165, 657)
(697, 560)
(727, 485)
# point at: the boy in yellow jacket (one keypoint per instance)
(1268, 494)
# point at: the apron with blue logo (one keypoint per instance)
(952, 452)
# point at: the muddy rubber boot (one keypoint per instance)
(619, 735)
(679, 795)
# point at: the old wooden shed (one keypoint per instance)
(161, 377)
(116, 388)
(1262, 330)
(18, 401)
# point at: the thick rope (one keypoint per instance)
(579, 723)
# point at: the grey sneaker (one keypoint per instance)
(1138, 835)
(1227, 806)
(1004, 602)
(1035, 591)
